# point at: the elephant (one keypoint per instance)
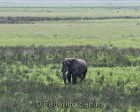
(74, 68)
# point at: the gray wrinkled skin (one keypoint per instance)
(73, 68)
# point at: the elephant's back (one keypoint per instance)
(82, 62)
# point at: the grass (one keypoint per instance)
(28, 88)
(110, 32)
(31, 75)
(71, 11)
(120, 33)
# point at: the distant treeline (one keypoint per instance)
(101, 56)
(24, 19)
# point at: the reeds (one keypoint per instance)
(95, 56)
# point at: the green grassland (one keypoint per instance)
(32, 75)
(70, 11)
(116, 32)
(120, 33)
(32, 49)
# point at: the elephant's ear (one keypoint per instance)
(75, 63)
(69, 60)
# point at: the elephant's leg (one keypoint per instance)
(83, 75)
(64, 78)
(69, 78)
(74, 78)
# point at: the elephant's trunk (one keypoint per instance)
(64, 76)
